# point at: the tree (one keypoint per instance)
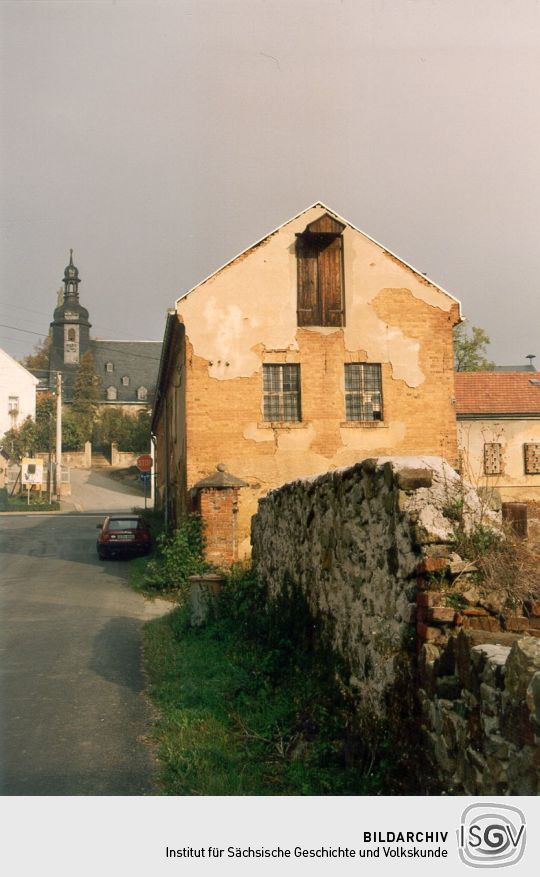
(140, 433)
(45, 421)
(112, 426)
(38, 360)
(470, 350)
(130, 433)
(85, 397)
(21, 441)
(72, 437)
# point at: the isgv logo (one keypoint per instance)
(491, 835)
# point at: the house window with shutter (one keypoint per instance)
(319, 255)
(281, 393)
(492, 458)
(363, 391)
(532, 458)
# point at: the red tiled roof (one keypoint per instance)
(497, 393)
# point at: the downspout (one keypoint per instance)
(166, 456)
(153, 476)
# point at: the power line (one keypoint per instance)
(97, 326)
(102, 345)
(27, 331)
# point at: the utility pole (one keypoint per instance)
(58, 466)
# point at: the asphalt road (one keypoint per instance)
(72, 714)
(95, 490)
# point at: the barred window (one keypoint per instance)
(281, 392)
(363, 391)
(532, 458)
(492, 458)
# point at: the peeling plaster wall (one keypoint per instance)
(245, 315)
(513, 484)
(226, 318)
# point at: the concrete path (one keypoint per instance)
(72, 717)
(95, 490)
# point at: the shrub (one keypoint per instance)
(179, 555)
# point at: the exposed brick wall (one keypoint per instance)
(224, 417)
(218, 509)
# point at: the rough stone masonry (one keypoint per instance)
(369, 547)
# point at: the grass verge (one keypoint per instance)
(20, 504)
(246, 709)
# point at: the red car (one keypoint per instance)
(123, 535)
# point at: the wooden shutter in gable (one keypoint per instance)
(308, 305)
(330, 283)
(319, 252)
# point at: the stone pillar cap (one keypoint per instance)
(220, 480)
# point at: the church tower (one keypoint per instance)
(70, 331)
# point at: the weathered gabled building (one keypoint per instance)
(312, 349)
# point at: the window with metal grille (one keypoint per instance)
(363, 391)
(492, 458)
(281, 392)
(532, 459)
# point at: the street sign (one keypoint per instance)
(144, 463)
(32, 471)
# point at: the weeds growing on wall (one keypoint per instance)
(502, 563)
(250, 706)
(178, 555)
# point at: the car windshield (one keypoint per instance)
(124, 524)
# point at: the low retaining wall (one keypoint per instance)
(371, 548)
(122, 458)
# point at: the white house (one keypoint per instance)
(17, 393)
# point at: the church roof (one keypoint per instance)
(138, 361)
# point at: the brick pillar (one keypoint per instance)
(216, 499)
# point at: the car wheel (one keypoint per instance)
(103, 556)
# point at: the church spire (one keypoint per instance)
(71, 281)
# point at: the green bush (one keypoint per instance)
(179, 555)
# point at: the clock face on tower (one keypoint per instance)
(70, 315)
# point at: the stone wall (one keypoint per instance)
(480, 703)
(122, 458)
(372, 550)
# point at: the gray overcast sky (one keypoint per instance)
(160, 139)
